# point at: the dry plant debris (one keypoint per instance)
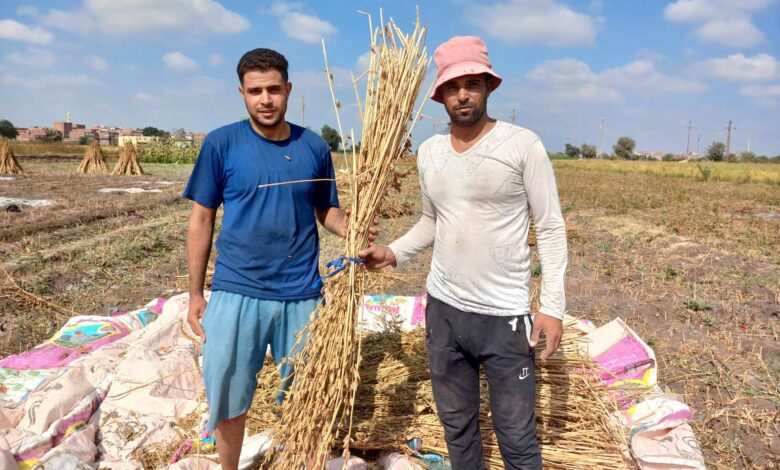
(394, 402)
(128, 162)
(94, 161)
(8, 163)
(323, 391)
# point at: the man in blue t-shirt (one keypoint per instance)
(265, 281)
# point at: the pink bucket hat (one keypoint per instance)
(461, 55)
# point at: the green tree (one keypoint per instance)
(572, 151)
(624, 148)
(331, 137)
(52, 136)
(747, 156)
(7, 129)
(716, 151)
(150, 131)
(588, 151)
(85, 139)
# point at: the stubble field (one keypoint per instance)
(693, 266)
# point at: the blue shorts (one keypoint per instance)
(239, 330)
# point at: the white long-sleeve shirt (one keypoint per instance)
(476, 213)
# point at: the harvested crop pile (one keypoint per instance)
(94, 161)
(394, 402)
(319, 410)
(128, 162)
(8, 163)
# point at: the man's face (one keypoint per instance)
(465, 99)
(265, 96)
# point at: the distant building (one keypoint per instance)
(137, 140)
(33, 133)
(69, 130)
(110, 138)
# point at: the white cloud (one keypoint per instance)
(722, 21)
(63, 80)
(642, 76)
(735, 32)
(149, 16)
(300, 26)
(97, 63)
(215, 60)
(76, 21)
(740, 68)
(703, 10)
(28, 10)
(10, 29)
(178, 61)
(141, 96)
(363, 62)
(761, 90)
(33, 57)
(764, 95)
(571, 80)
(534, 21)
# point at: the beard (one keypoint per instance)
(268, 123)
(472, 116)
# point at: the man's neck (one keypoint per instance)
(463, 137)
(280, 131)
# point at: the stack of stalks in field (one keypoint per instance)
(322, 395)
(8, 163)
(94, 161)
(128, 162)
(394, 403)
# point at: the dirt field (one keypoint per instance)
(692, 265)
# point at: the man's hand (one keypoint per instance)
(377, 257)
(552, 329)
(373, 230)
(196, 310)
(336, 221)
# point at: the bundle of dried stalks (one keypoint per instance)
(8, 163)
(326, 369)
(394, 403)
(94, 161)
(128, 162)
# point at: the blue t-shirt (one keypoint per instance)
(268, 247)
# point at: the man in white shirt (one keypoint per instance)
(481, 181)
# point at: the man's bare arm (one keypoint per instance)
(333, 219)
(200, 233)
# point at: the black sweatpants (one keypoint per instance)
(458, 342)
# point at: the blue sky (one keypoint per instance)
(647, 67)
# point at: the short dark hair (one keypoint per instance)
(261, 60)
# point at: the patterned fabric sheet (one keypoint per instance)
(658, 425)
(23, 373)
(379, 311)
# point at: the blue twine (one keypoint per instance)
(340, 264)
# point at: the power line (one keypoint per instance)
(688, 145)
(728, 138)
(601, 137)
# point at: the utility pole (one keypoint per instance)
(688, 145)
(728, 139)
(601, 138)
(698, 141)
(513, 115)
(303, 111)
(748, 149)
